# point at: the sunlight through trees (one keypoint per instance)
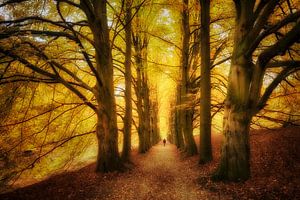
(84, 81)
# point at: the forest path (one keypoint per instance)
(160, 174)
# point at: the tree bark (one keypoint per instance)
(107, 130)
(155, 137)
(178, 126)
(191, 147)
(141, 93)
(235, 152)
(244, 98)
(205, 150)
(140, 42)
(235, 164)
(128, 103)
(147, 111)
(140, 107)
(186, 113)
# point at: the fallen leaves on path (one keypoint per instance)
(165, 174)
(160, 174)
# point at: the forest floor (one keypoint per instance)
(165, 174)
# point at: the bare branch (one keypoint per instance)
(281, 76)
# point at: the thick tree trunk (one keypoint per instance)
(108, 156)
(128, 102)
(235, 153)
(245, 81)
(185, 115)
(205, 150)
(235, 164)
(107, 130)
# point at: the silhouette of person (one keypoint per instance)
(164, 141)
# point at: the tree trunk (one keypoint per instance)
(178, 126)
(235, 152)
(128, 102)
(146, 100)
(245, 81)
(191, 147)
(140, 42)
(205, 150)
(141, 134)
(186, 119)
(140, 108)
(154, 123)
(108, 156)
(107, 130)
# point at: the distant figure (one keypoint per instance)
(164, 141)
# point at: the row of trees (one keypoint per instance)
(86, 50)
(265, 36)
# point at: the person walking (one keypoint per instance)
(164, 141)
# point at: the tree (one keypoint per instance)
(141, 40)
(89, 30)
(178, 132)
(244, 99)
(205, 150)
(128, 74)
(186, 113)
(154, 125)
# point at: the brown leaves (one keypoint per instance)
(275, 167)
(163, 174)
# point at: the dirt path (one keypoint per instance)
(160, 175)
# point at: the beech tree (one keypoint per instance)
(205, 150)
(185, 113)
(251, 58)
(128, 77)
(25, 42)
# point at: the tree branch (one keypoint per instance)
(280, 47)
(281, 76)
(288, 63)
(50, 75)
(273, 29)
